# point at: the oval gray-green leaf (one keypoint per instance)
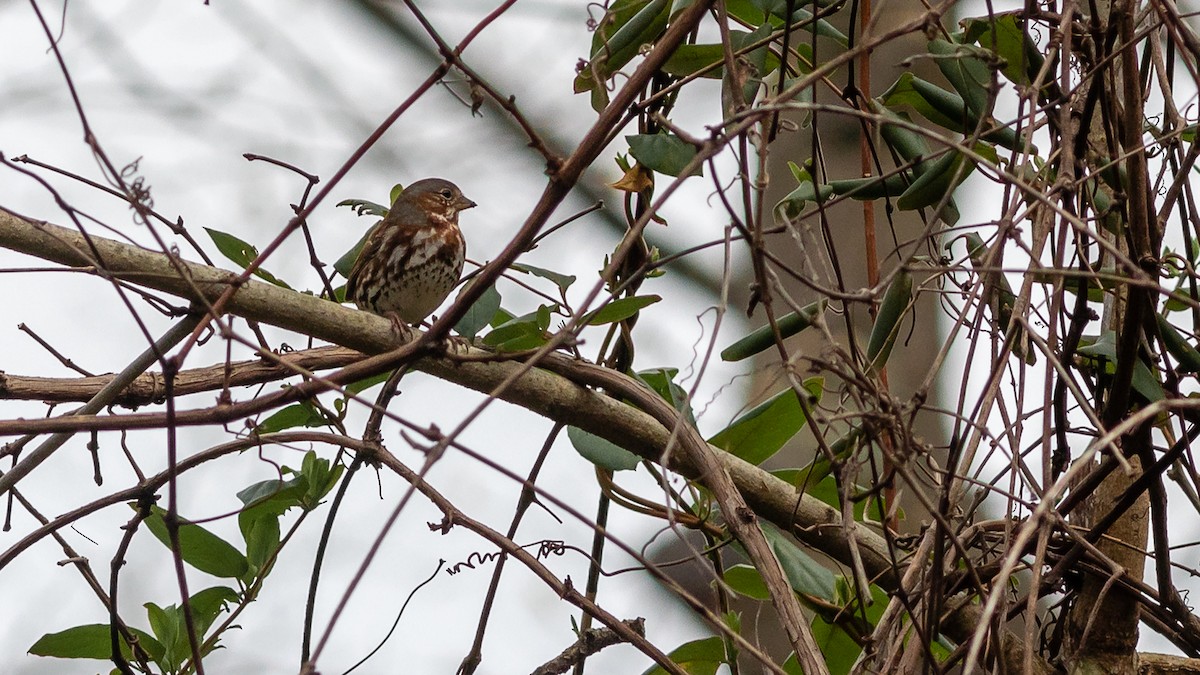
(698, 657)
(242, 253)
(200, 548)
(805, 575)
(621, 309)
(563, 281)
(746, 580)
(344, 264)
(665, 153)
(1178, 346)
(601, 452)
(762, 431)
(887, 322)
(294, 415)
(480, 314)
(91, 641)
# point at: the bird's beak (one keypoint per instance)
(463, 204)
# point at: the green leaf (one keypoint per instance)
(1144, 382)
(665, 153)
(91, 641)
(520, 333)
(764, 338)
(821, 466)
(260, 531)
(258, 521)
(601, 452)
(295, 415)
(320, 476)
(208, 604)
(760, 433)
(662, 381)
(746, 580)
(827, 491)
(807, 191)
(698, 657)
(241, 254)
(395, 192)
(939, 180)
(363, 207)
(861, 189)
(169, 628)
(871, 187)
(480, 312)
(346, 263)
(620, 309)
(563, 281)
(199, 548)
(690, 59)
(282, 494)
(1001, 34)
(887, 322)
(170, 625)
(367, 382)
(750, 12)
(966, 70)
(836, 645)
(618, 38)
(945, 109)
(805, 575)
(803, 17)
(909, 145)
(825, 28)
(1001, 300)
(801, 173)
(758, 62)
(755, 12)
(1183, 351)
(839, 649)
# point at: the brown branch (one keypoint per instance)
(588, 643)
(1167, 664)
(966, 619)
(148, 388)
(68, 363)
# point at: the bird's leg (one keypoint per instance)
(453, 344)
(457, 344)
(404, 333)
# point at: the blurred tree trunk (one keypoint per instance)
(1103, 621)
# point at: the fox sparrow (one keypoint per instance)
(413, 258)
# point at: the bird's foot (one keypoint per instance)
(457, 345)
(452, 345)
(403, 332)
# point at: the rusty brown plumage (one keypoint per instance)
(413, 258)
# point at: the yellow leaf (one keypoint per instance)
(637, 179)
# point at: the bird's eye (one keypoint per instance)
(447, 194)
